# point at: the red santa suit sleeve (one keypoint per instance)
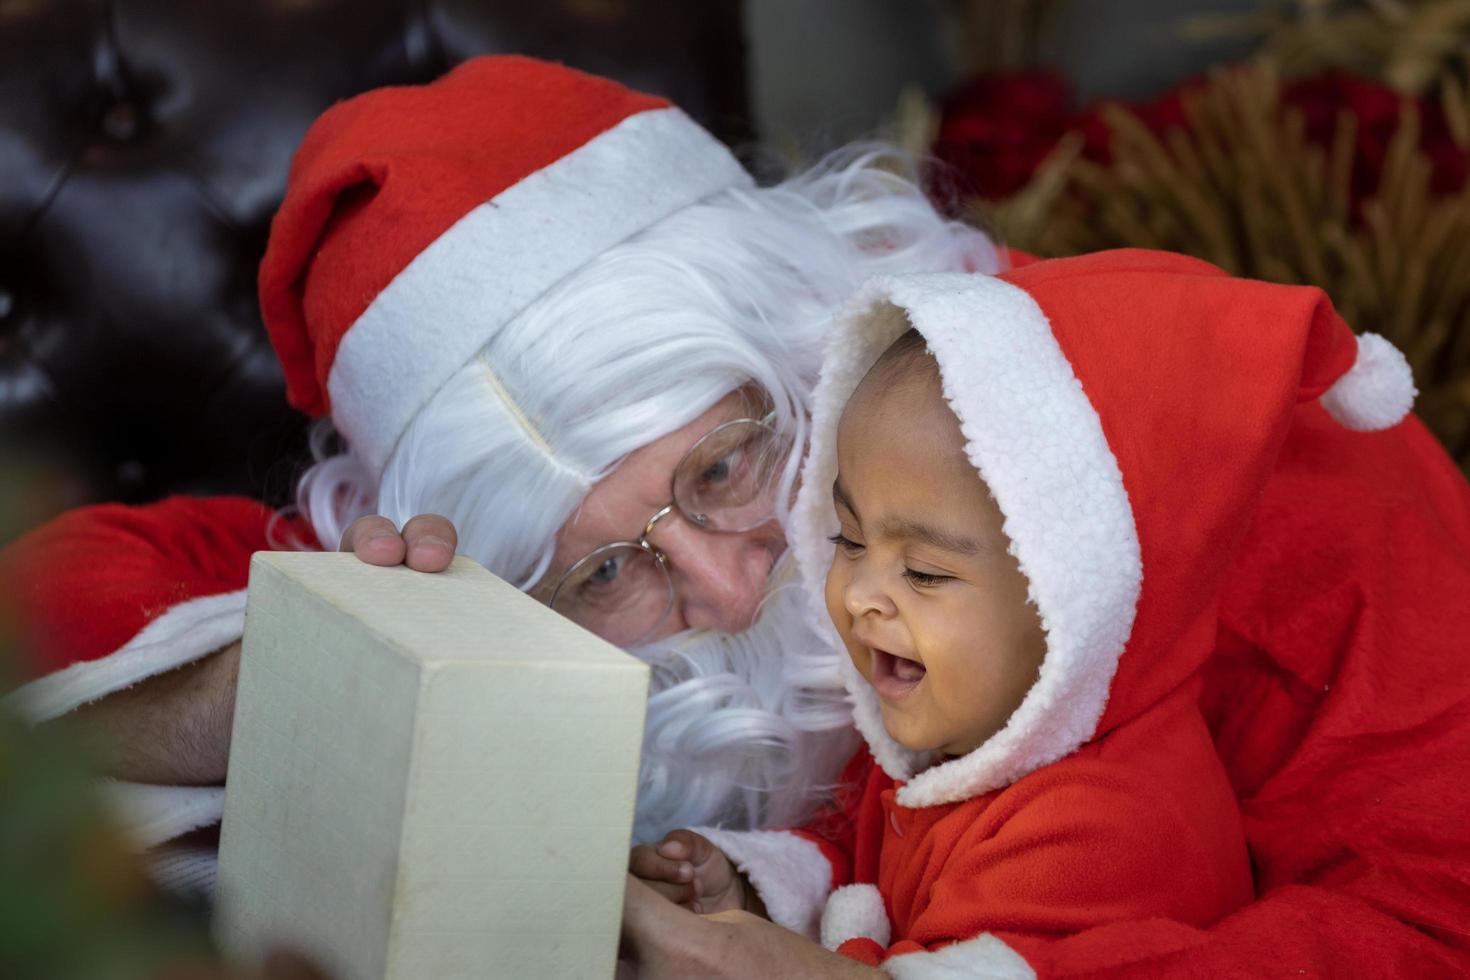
(1340, 703)
(109, 595)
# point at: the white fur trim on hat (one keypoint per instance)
(1377, 392)
(986, 956)
(855, 911)
(184, 633)
(789, 872)
(1066, 509)
(495, 261)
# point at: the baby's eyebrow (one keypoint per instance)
(903, 528)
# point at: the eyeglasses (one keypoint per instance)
(726, 484)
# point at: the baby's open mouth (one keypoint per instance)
(894, 676)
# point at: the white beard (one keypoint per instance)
(744, 730)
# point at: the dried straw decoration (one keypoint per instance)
(996, 35)
(1411, 45)
(1241, 186)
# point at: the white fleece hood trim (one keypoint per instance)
(1066, 509)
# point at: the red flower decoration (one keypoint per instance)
(996, 130)
(1376, 112)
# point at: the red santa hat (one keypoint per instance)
(1125, 409)
(420, 220)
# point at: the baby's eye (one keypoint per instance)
(848, 546)
(924, 579)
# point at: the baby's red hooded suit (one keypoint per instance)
(1126, 410)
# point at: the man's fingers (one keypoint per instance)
(427, 544)
(431, 542)
(375, 540)
(676, 893)
(644, 906)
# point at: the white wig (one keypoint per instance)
(736, 290)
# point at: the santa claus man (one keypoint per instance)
(561, 316)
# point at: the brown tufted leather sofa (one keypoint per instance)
(144, 146)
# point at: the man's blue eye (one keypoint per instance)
(717, 472)
(606, 572)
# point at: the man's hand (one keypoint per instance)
(427, 543)
(687, 869)
(662, 941)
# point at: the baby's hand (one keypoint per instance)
(686, 868)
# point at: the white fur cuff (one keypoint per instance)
(187, 631)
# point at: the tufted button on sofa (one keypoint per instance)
(144, 145)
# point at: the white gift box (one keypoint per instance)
(431, 776)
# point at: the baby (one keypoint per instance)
(1034, 491)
